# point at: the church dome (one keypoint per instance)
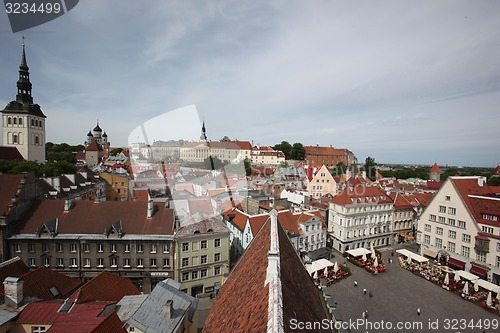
(104, 135)
(89, 133)
(97, 128)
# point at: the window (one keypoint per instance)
(152, 248)
(100, 262)
(72, 262)
(139, 248)
(131, 329)
(452, 234)
(185, 262)
(126, 247)
(126, 262)
(59, 247)
(152, 262)
(428, 228)
(45, 247)
(203, 259)
(86, 262)
(46, 262)
(113, 262)
(498, 247)
(442, 209)
(31, 247)
(217, 242)
(439, 231)
(481, 256)
(447, 198)
(432, 217)
(60, 262)
(86, 247)
(451, 247)
(217, 270)
(203, 244)
(442, 219)
(497, 263)
(100, 247)
(488, 230)
(185, 276)
(451, 222)
(166, 262)
(462, 224)
(166, 247)
(112, 247)
(217, 257)
(72, 247)
(140, 262)
(203, 273)
(439, 243)
(452, 211)
(466, 251)
(31, 262)
(194, 275)
(38, 329)
(185, 247)
(465, 238)
(427, 239)
(17, 247)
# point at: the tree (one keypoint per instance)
(248, 166)
(340, 169)
(297, 152)
(370, 167)
(284, 164)
(225, 139)
(285, 147)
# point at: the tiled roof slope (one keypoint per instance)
(8, 187)
(104, 287)
(14, 267)
(435, 168)
(10, 154)
(243, 303)
(38, 282)
(361, 192)
(102, 214)
(467, 186)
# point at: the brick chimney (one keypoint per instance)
(150, 208)
(67, 205)
(168, 309)
(13, 288)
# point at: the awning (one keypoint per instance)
(481, 272)
(455, 263)
(468, 276)
(488, 286)
(358, 252)
(430, 253)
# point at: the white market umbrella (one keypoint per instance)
(364, 257)
(498, 295)
(371, 246)
(476, 285)
(456, 277)
(466, 288)
(447, 279)
(315, 275)
(375, 263)
(325, 272)
(488, 300)
(335, 267)
(373, 254)
(408, 259)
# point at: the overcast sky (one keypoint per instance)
(401, 81)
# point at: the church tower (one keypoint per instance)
(23, 121)
(203, 136)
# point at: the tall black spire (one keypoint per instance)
(24, 84)
(203, 132)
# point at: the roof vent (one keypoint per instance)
(481, 181)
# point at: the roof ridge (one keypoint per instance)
(9, 261)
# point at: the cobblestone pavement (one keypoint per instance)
(397, 296)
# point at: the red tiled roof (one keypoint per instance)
(435, 168)
(8, 188)
(10, 154)
(141, 195)
(201, 204)
(434, 185)
(418, 198)
(248, 312)
(361, 192)
(489, 206)
(38, 282)
(102, 214)
(469, 186)
(400, 202)
(315, 150)
(104, 287)
(14, 267)
(94, 146)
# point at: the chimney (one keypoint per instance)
(481, 181)
(168, 308)
(150, 208)
(13, 289)
(67, 205)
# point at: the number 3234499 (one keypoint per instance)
(34, 8)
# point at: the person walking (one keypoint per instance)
(418, 311)
(364, 291)
(370, 294)
(355, 283)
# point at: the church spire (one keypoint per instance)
(23, 84)
(203, 132)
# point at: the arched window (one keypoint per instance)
(14, 138)
(20, 121)
(15, 120)
(37, 140)
(32, 122)
(9, 120)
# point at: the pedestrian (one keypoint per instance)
(364, 314)
(418, 311)
(370, 294)
(355, 283)
(364, 291)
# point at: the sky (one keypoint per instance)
(411, 82)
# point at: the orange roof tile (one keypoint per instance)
(8, 188)
(94, 146)
(400, 202)
(435, 168)
(14, 267)
(10, 154)
(38, 282)
(104, 287)
(360, 193)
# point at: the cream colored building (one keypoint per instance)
(461, 227)
(322, 183)
(202, 255)
(262, 155)
(231, 151)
